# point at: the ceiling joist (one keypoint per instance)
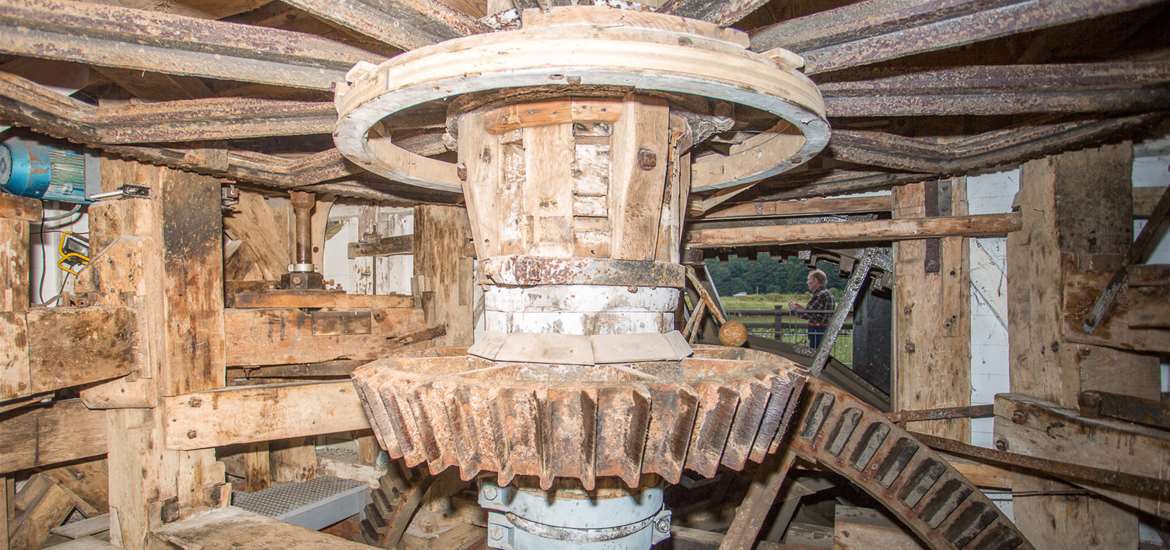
(720, 12)
(111, 36)
(873, 31)
(405, 24)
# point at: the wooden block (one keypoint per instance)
(232, 528)
(285, 336)
(316, 299)
(293, 460)
(14, 270)
(247, 414)
(257, 467)
(15, 379)
(639, 172)
(46, 506)
(17, 208)
(74, 346)
(43, 436)
(862, 528)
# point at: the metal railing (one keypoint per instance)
(780, 324)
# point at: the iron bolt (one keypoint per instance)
(490, 492)
(496, 533)
(1019, 417)
(662, 525)
(191, 434)
(647, 160)
(1001, 444)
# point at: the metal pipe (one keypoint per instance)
(303, 204)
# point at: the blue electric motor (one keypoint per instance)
(31, 169)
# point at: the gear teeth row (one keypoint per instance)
(915, 483)
(582, 430)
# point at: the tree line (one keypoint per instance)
(766, 275)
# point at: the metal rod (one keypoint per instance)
(302, 204)
(942, 413)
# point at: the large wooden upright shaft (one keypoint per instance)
(576, 207)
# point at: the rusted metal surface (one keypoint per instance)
(916, 485)
(1147, 486)
(1001, 90)
(1125, 407)
(943, 413)
(879, 30)
(721, 407)
(977, 152)
(114, 36)
(720, 12)
(530, 270)
(405, 24)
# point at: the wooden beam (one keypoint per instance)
(443, 271)
(233, 527)
(856, 232)
(203, 119)
(43, 436)
(405, 24)
(1077, 210)
(293, 460)
(317, 299)
(816, 206)
(753, 510)
(1117, 86)
(722, 13)
(384, 246)
(879, 30)
(14, 207)
(932, 314)
(281, 336)
(46, 505)
(114, 36)
(249, 414)
(855, 527)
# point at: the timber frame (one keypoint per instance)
(186, 367)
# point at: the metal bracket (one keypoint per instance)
(127, 191)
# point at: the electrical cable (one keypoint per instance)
(41, 282)
(76, 208)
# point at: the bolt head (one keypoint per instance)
(191, 434)
(496, 533)
(1019, 417)
(490, 492)
(1001, 444)
(662, 525)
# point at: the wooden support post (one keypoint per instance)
(7, 496)
(1077, 209)
(163, 255)
(753, 511)
(932, 318)
(257, 467)
(293, 459)
(16, 215)
(443, 271)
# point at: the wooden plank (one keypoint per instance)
(442, 271)
(385, 246)
(257, 467)
(45, 509)
(44, 436)
(932, 320)
(1076, 205)
(14, 269)
(293, 460)
(817, 206)
(985, 225)
(315, 299)
(723, 13)
(232, 528)
(114, 36)
(1145, 199)
(281, 336)
(6, 509)
(406, 24)
(13, 207)
(638, 167)
(88, 480)
(265, 243)
(861, 528)
(753, 511)
(71, 346)
(548, 189)
(248, 414)
(83, 528)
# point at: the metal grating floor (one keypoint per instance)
(279, 500)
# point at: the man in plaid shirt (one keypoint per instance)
(819, 310)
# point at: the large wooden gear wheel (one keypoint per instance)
(581, 48)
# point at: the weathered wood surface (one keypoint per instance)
(1077, 210)
(443, 271)
(317, 299)
(44, 505)
(932, 316)
(406, 24)
(806, 207)
(1035, 428)
(753, 511)
(385, 246)
(863, 528)
(855, 232)
(232, 528)
(44, 436)
(281, 336)
(70, 346)
(249, 414)
(114, 36)
(293, 460)
(13, 207)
